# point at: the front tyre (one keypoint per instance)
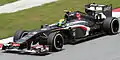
(111, 25)
(55, 41)
(19, 34)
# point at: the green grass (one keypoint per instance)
(48, 13)
(6, 1)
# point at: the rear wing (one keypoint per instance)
(99, 8)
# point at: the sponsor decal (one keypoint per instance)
(15, 44)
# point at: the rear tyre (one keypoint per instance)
(19, 34)
(111, 25)
(55, 41)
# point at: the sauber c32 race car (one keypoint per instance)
(76, 26)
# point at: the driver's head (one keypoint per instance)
(61, 22)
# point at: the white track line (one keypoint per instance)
(22, 4)
(7, 40)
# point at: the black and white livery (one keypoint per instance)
(96, 20)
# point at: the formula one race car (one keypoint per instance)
(76, 26)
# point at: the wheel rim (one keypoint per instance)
(58, 42)
(115, 26)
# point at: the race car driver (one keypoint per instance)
(61, 23)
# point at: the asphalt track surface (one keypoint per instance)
(102, 48)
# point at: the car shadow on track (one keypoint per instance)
(27, 53)
(89, 39)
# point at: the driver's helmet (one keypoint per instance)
(61, 22)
